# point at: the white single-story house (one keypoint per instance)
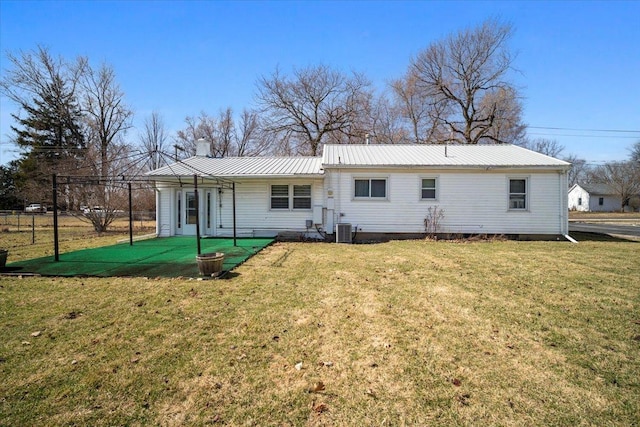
(366, 190)
(593, 198)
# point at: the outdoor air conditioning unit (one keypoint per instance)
(343, 233)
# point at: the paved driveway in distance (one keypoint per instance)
(618, 228)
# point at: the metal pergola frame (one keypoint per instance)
(220, 182)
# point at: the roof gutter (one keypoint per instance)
(470, 167)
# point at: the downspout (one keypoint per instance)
(564, 206)
(565, 201)
(337, 214)
(158, 215)
(560, 182)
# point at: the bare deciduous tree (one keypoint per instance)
(315, 105)
(154, 141)
(548, 147)
(507, 125)
(622, 177)
(250, 140)
(108, 116)
(226, 136)
(35, 74)
(579, 171)
(635, 152)
(201, 127)
(226, 133)
(386, 123)
(465, 76)
(420, 109)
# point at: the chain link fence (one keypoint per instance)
(22, 232)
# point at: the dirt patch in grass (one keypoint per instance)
(413, 333)
(619, 216)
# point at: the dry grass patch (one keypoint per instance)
(401, 333)
(26, 242)
(629, 216)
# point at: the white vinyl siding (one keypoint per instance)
(165, 213)
(472, 201)
(254, 216)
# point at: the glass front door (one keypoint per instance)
(187, 213)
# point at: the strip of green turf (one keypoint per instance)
(161, 257)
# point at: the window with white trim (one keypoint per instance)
(301, 197)
(428, 189)
(279, 197)
(370, 188)
(517, 194)
(285, 197)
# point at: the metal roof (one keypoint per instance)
(362, 156)
(416, 155)
(236, 167)
(598, 189)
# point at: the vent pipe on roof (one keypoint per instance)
(366, 138)
(445, 149)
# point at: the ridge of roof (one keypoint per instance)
(450, 155)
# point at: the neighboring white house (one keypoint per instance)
(593, 198)
(376, 189)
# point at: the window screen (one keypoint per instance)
(279, 197)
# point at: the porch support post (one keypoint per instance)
(56, 247)
(195, 189)
(130, 216)
(233, 186)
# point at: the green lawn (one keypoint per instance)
(400, 333)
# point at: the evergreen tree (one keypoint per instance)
(49, 130)
(9, 195)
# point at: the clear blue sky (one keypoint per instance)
(579, 61)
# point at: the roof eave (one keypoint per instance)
(435, 166)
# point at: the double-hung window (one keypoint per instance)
(428, 189)
(285, 197)
(279, 197)
(518, 194)
(370, 188)
(301, 197)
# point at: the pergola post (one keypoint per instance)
(195, 189)
(233, 187)
(130, 216)
(56, 248)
